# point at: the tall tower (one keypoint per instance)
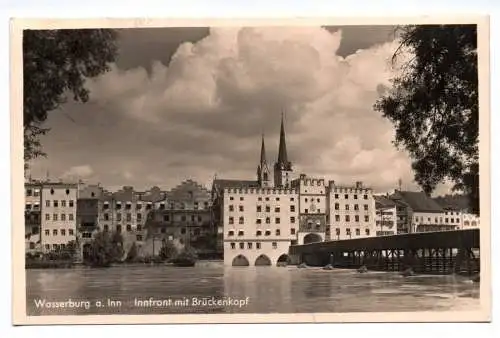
(263, 172)
(282, 168)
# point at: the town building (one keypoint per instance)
(88, 205)
(32, 216)
(386, 218)
(58, 215)
(261, 218)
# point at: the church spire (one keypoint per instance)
(263, 152)
(263, 174)
(282, 155)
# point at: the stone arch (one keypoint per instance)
(240, 260)
(312, 238)
(262, 260)
(283, 260)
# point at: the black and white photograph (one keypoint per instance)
(251, 171)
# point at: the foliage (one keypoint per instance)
(106, 248)
(168, 250)
(55, 64)
(434, 106)
(132, 254)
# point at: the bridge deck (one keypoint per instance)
(443, 239)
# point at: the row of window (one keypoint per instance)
(277, 220)
(231, 198)
(55, 203)
(36, 192)
(55, 217)
(259, 232)
(346, 196)
(451, 220)
(55, 232)
(149, 206)
(250, 245)
(349, 233)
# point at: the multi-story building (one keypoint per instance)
(185, 215)
(386, 216)
(58, 214)
(32, 216)
(469, 221)
(87, 216)
(260, 219)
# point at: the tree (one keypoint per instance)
(106, 248)
(434, 107)
(55, 64)
(168, 250)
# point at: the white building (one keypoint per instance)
(386, 216)
(58, 215)
(469, 221)
(260, 219)
(32, 218)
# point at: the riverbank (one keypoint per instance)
(59, 264)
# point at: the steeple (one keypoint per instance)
(282, 155)
(263, 173)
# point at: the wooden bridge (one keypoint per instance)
(426, 252)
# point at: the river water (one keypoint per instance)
(212, 288)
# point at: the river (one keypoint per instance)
(212, 288)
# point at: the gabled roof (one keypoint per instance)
(384, 202)
(419, 201)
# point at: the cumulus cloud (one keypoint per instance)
(204, 112)
(78, 172)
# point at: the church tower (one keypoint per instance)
(263, 172)
(282, 168)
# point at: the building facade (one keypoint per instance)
(58, 215)
(32, 216)
(386, 218)
(260, 219)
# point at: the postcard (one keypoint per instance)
(250, 171)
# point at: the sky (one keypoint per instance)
(192, 103)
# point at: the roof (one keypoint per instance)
(222, 184)
(419, 201)
(384, 202)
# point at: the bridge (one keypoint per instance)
(441, 252)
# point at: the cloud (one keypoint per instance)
(204, 112)
(78, 172)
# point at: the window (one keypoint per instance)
(70, 217)
(47, 232)
(241, 198)
(233, 245)
(277, 209)
(138, 206)
(231, 198)
(355, 196)
(292, 199)
(367, 218)
(129, 227)
(230, 233)
(149, 206)
(258, 233)
(277, 220)
(52, 191)
(367, 232)
(306, 211)
(292, 208)
(28, 192)
(458, 220)
(257, 245)
(337, 218)
(275, 245)
(192, 218)
(347, 207)
(63, 217)
(105, 205)
(337, 231)
(365, 197)
(139, 227)
(118, 217)
(106, 217)
(63, 203)
(242, 245)
(128, 206)
(268, 220)
(268, 233)
(47, 246)
(183, 231)
(241, 233)
(106, 228)
(347, 218)
(47, 203)
(54, 217)
(71, 232)
(356, 207)
(139, 238)
(305, 200)
(231, 208)
(346, 196)
(241, 220)
(258, 221)
(267, 198)
(292, 231)
(277, 198)
(63, 232)
(249, 245)
(337, 206)
(259, 208)
(166, 218)
(139, 217)
(268, 208)
(446, 220)
(71, 203)
(54, 232)
(358, 233)
(118, 206)
(47, 217)
(241, 208)
(231, 220)
(356, 218)
(278, 232)
(292, 219)
(348, 232)
(259, 199)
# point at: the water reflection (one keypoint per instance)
(210, 288)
